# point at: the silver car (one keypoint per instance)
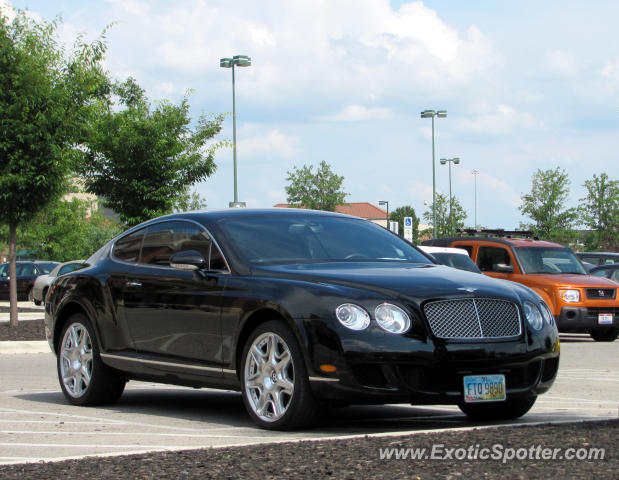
(42, 282)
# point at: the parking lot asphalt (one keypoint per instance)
(37, 424)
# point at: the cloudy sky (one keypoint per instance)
(526, 84)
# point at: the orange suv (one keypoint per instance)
(579, 302)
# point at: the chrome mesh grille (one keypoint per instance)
(473, 318)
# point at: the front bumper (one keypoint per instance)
(388, 368)
(583, 319)
(434, 384)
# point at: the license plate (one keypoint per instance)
(484, 388)
(605, 319)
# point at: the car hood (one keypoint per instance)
(567, 280)
(411, 280)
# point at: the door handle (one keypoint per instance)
(133, 283)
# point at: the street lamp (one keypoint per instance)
(455, 161)
(385, 202)
(475, 173)
(431, 114)
(239, 61)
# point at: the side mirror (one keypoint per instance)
(502, 268)
(188, 260)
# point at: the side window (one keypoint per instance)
(167, 238)
(217, 259)
(591, 260)
(487, 257)
(468, 248)
(128, 248)
(68, 268)
(27, 270)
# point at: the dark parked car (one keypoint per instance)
(296, 309)
(26, 272)
(608, 271)
(599, 258)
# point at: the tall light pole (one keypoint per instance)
(239, 61)
(385, 202)
(475, 173)
(455, 161)
(431, 114)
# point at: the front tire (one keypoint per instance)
(276, 390)
(604, 334)
(84, 378)
(507, 410)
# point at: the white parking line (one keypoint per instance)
(150, 434)
(115, 422)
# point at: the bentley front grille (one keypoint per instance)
(473, 318)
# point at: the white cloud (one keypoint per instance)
(561, 63)
(504, 119)
(6, 9)
(273, 143)
(358, 113)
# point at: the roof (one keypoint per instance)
(516, 242)
(356, 209)
(430, 249)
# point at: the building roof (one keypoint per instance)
(356, 209)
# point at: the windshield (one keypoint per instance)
(456, 260)
(548, 260)
(314, 238)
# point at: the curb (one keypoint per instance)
(14, 347)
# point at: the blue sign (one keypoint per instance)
(408, 221)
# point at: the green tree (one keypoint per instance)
(189, 200)
(46, 96)
(140, 160)
(446, 226)
(545, 205)
(66, 231)
(318, 191)
(599, 211)
(399, 214)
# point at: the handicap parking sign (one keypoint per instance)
(408, 221)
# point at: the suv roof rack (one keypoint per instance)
(499, 232)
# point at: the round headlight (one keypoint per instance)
(534, 317)
(352, 316)
(547, 314)
(392, 318)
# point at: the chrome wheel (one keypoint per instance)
(269, 377)
(76, 360)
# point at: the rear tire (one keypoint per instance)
(274, 381)
(84, 378)
(604, 334)
(37, 302)
(507, 410)
(30, 295)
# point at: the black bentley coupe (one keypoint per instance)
(297, 309)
